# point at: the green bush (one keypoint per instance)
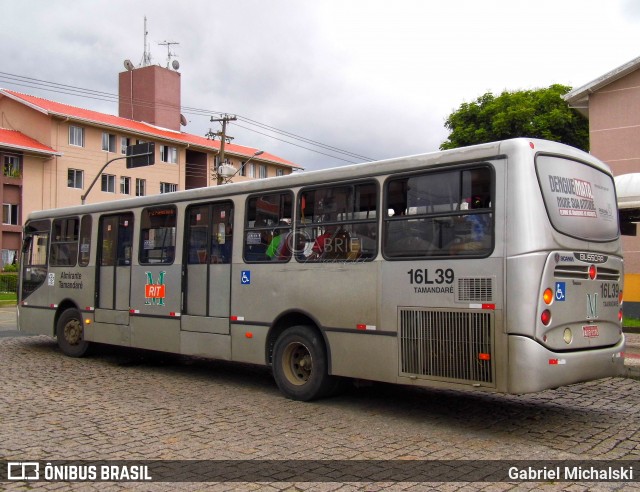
(8, 282)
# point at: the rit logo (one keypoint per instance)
(154, 293)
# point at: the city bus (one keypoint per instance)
(495, 267)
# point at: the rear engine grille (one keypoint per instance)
(451, 345)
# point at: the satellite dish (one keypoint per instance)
(183, 120)
(128, 65)
(175, 64)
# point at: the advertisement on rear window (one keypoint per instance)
(580, 199)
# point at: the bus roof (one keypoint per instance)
(331, 175)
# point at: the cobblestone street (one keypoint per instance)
(135, 405)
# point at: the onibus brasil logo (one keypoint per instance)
(154, 292)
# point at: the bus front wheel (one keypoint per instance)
(300, 364)
(70, 334)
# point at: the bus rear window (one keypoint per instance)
(580, 199)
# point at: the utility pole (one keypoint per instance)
(223, 134)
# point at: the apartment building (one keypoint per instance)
(612, 104)
(52, 152)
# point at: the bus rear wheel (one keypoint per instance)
(70, 334)
(300, 364)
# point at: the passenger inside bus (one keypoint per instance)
(472, 231)
(279, 248)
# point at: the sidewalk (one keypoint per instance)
(632, 355)
(9, 322)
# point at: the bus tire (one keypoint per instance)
(70, 334)
(300, 364)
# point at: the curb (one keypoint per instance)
(632, 372)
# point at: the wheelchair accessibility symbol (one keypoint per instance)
(560, 291)
(245, 277)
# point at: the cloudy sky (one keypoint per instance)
(376, 79)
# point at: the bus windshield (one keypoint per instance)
(580, 199)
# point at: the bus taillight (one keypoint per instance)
(547, 296)
(545, 317)
(593, 271)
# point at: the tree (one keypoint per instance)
(540, 113)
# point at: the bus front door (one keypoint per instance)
(114, 269)
(207, 265)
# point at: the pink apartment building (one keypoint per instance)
(612, 104)
(51, 152)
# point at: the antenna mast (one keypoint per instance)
(169, 53)
(146, 56)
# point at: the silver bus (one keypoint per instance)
(496, 267)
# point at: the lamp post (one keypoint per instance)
(257, 153)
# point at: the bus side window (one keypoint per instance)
(473, 228)
(338, 223)
(267, 233)
(85, 240)
(158, 235)
(64, 242)
(439, 213)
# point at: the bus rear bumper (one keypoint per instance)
(532, 367)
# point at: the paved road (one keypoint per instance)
(8, 322)
(124, 404)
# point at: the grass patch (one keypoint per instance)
(11, 296)
(631, 322)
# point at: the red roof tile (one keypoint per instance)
(139, 127)
(19, 141)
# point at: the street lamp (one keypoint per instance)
(257, 153)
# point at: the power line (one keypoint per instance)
(30, 82)
(296, 145)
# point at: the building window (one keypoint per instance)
(8, 257)
(168, 187)
(243, 169)
(168, 154)
(109, 183)
(279, 172)
(75, 178)
(108, 142)
(10, 214)
(124, 143)
(11, 166)
(76, 136)
(125, 185)
(141, 187)
(262, 171)
(252, 170)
